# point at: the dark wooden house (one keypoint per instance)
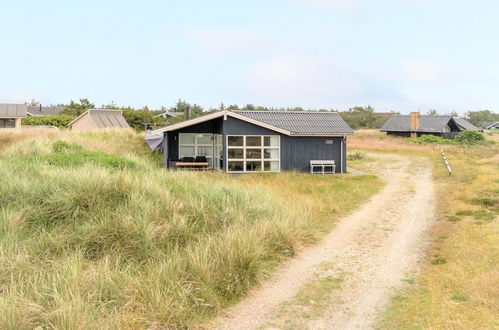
(415, 125)
(256, 141)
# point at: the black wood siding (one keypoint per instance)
(296, 151)
(213, 126)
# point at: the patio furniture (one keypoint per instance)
(322, 167)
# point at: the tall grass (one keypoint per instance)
(458, 285)
(85, 244)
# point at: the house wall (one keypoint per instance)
(84, 123)
(213, 126)
(296, 151)
(10, 122)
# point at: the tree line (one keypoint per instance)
(143, 118)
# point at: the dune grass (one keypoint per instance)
(94, 234)
(458, 284)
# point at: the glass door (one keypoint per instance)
(218, 151)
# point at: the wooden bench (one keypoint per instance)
(192, 165)
(324, 166)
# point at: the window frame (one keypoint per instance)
(196, 145)
(262, 158)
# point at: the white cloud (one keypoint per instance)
(15, 95)
(299, 79)
(341, 5)
(218, 41)
(424, 71)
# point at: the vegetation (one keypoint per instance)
(95, 235)
(433, 139)
(458, 285)
(464, 137)
(60, 121)
(364, 117)
(470, 137)
(477, 118)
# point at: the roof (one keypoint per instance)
(169, 114)
(490, 124)
(302, 122)
(427, 124)
(104, 118)
(463, 123)
(12, 110)
(44, 111)
(286, 122)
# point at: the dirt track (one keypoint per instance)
(373, 250)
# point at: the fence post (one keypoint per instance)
(446, 162)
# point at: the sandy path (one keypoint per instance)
(376, 246)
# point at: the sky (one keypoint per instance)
(395, 55)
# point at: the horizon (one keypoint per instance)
(313, 54)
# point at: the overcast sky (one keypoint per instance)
(400, 55)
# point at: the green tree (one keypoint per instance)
(477, 118)
(60, 121)
(360, 117)
(76, 109)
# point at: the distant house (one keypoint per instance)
(256, 141)
(38, 110)
(169, 114)
(11, 115)
(94, 119)
(415, 125)
(491, 125)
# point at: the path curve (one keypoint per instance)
(377, 246)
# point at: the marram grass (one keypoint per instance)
(86, 244)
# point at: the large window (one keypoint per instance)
(253, 153)
(193, 144)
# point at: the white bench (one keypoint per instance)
(324, 166)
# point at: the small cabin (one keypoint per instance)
(11, 115)
(415, 125)
(257, 141)
(94, 119)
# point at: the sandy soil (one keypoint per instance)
(376, 247)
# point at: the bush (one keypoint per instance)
(431, 139)
(356, 156)
(470, 137)
(60, 121)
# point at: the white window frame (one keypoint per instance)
(244, 159)
(196, 145)
(217, 147)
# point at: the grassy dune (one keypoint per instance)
(95, 235)
(458, 287)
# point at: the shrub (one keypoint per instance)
(432, 139)
(438, 261)
(356, 156)
(470, 137)
(464, 212)
(60, 121)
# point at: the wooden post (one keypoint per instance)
(446, 162)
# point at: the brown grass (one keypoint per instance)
(91, 246)
(458, 287)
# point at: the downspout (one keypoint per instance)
(341, 154)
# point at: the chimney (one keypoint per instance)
(414, 123)
(187, 113)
